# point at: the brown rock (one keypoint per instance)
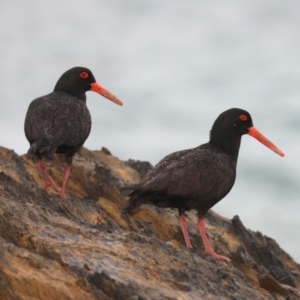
(81, 248)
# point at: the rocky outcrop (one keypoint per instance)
(82, 248)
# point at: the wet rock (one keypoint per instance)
(82, 248)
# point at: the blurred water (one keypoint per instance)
(176, 65)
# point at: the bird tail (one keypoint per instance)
(41, 147)
(131, 187)
(134, 202)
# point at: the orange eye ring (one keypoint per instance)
(243, 117)
(84, 75)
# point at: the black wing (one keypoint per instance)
(196, 173)
(57, 119)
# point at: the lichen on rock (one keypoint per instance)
(82, 248)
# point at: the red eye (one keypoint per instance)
(243, 117)
(84, 75)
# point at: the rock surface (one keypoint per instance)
(81, 248)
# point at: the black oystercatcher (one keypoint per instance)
(60, 122)
(198, 178)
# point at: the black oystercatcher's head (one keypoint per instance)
(237, 121)
(77, 81)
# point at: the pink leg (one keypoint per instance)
(207, 247)
(48, 180)
(67, 172)
(183, 226)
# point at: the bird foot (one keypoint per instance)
(47, 178)
(51, 183)
(217, 256)
(63, 195)
(189, 246)
(46, 185)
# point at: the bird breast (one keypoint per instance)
(60, 115)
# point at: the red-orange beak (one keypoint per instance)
(95, 87)
(261, 138)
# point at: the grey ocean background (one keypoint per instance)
(176, 65)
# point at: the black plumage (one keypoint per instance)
(198, 178)
(60, 122)
(57, 123)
